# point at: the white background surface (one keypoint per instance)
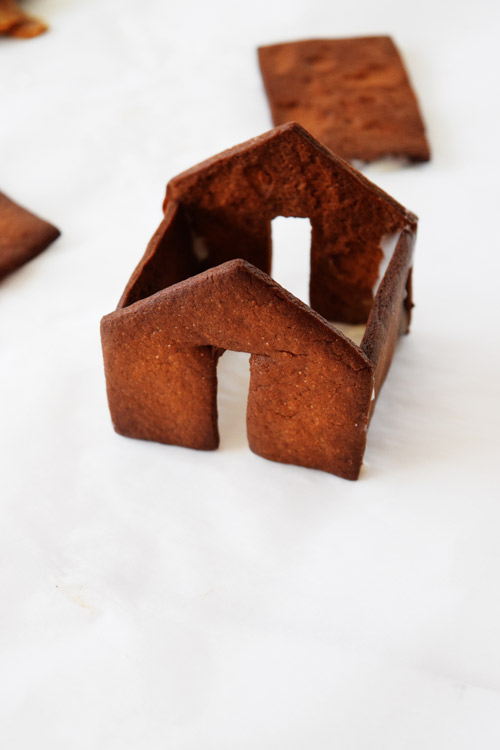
(154, 597)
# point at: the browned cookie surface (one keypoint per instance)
(230, 200)
(391, 312)
(169, 258)
(22, 235)
(15, 22)
(352, 94)
(310, 387)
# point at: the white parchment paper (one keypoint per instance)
(155, 597)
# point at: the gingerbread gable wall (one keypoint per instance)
(310, 387)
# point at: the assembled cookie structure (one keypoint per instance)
(354, 95)
(203, 287)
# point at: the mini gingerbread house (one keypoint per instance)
(203, 287)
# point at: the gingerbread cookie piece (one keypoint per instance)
(312, 390)
(15, 22)
(310, 386)
(230, 200)
(169, 258)
(391, 312)
(22, 235)
(352, 94)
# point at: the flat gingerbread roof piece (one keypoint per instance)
(354, 95)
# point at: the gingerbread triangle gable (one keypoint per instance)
(193, 312)
(231, 199)
(307, 379)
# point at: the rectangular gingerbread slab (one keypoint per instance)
(352, 94)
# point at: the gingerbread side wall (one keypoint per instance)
(391, 312)
(168, 259)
